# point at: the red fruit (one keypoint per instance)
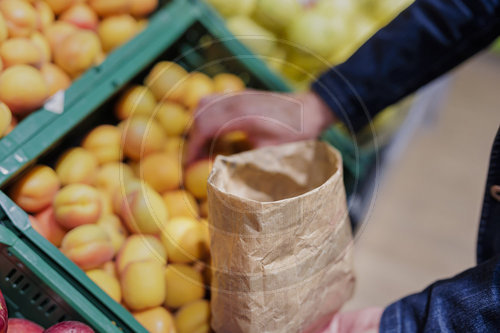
(4, 316)
(69, 327)
(17, 325)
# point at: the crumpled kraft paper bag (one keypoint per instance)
(281, 240)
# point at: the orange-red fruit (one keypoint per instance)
(45, 224)
(141, 8)
(20, 51)
(81, 15)
(77, 52)
(55, 78)
(77, 204)
(20, 16)
(141, 137)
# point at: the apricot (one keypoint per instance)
(183, 285)
(173, 118)
(136, 100)
(35, 190)
(5, 119)
(88, 246)
(106, 282)
(119, 193)
(193, 317)
(47, 226)
(204, 208)
(23, 89)
(174, 146)
(196, 176)
(161, 171)
(228, 83)
(106, 202)
(115, 230)
(110, 268)
(140, 293)
(57, 32)
(184, 239)
(142, 8)
(116, 30)
(20, 17)
(77, 204)
(80, 15)
(45, 15)
(55, 78)
(143, 210)
(59, 6)
(104, 143)
(109, 7)
(77, 52)
(4, 34)
(197, 86)
(140, 248)
(141, 137)
(156, 320)
(180, 203)
(166, 80)
(20, 51)
(77, 165)
(43, 45)
(13, 123)
(110, 175)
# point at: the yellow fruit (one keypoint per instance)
(204, 208)
(115, 230)
(57, 32)
(141, 8)
(106, 8)
(140, 248)
(136, 100)
(107, 283)
(20, 51)
(165, 80)
(232, 8)
(255, 37)
(5, 119)
(161, 171)
(156, 320)
(228, 83)
(4, 34)
(195, 178)
(58, 6)
(104, 143)
(77, 204)
(106, 202)
(20, 17)
(76, 165)
(140, 293)
(77, 52)
(180, 203)
(184, 285)
(43, 45)
(80, 15)
(193, 317)
(45, 224)
(173, 118)
(197, 86)
(55, 78)
(141, 136)
(185, 240)
(174, 146)
(23, 89)
(276, 15)
(45, 15)
(111, 175)
(116, 30)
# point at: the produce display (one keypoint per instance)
(45, 44)
(300, 39)
(19, 325)
(124, 208)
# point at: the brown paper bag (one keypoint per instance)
(280, 239)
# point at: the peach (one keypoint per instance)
(110, 268)
(184, 239)
(228, 83)
(43, 45)
(23, 89)
(194, 317)
(20, 17)
(140, 293)
(77, 52)
(197, 86)
(88, 246)
(204, 208)
(106, 282)
(166, 80)
(136, 100)
(161, 171)
(143, 210)
(76, 165)
(109, 7)
(180, 203)
(156, 320)
(195, 178)
(183, 285)
(140, 248)
(104, 142)
(5, 119)
(59, 6)
(110, 175)
(55, 78)
(4, 33)
(45, 224)
(173, 117)
(115, 230)
(45, 15)
(20, 51)
(35, 189)
(80, 15)
(141, 8)
(77, 204)
(141, 137)
(116, 30)
(57, 32)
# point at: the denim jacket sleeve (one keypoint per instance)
(426, 40)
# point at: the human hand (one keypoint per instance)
(267, 118)
(360, 321)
